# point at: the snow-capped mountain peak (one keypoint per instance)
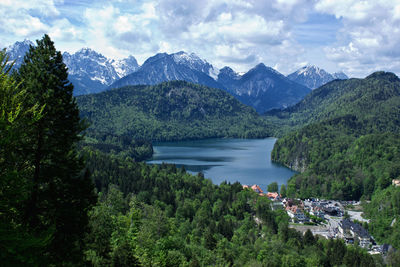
(91, 72)
(311, 70)
(193, 61)
(182, 57)
(90, 53)
(125, 66)
(229, 72)
(313, 76)
(17, 51)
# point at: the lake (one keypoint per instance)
(245, 160)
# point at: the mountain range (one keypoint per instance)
(261, 87)
(89, 71)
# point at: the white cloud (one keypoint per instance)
(370, 36)
(63, 30)
(239, 33)
(117, 33)
(16, 17)
(22, 19)
(249, 31)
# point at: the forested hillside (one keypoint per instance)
(384, 214)
(347, 146)
(170, 111)
(162, 216)
(373, 100)
(340, 117)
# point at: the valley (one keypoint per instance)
(170, 157)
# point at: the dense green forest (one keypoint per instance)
(162, 216)
(373, 100)
(384, 213)
(121, 145)
(349, 146)
(170, 111)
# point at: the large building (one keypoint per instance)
(353, 232)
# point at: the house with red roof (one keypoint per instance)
(296, 214)
(257, 189)
(274, 196)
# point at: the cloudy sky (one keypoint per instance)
(357, 37)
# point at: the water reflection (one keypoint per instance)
(245, 160)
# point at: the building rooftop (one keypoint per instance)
(355, 227)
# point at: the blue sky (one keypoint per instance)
(357, 37)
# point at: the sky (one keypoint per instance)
(357, 37)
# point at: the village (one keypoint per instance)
(326, 218)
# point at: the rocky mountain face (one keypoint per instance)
(169, 67)
(17, 52)
(89, 71)
(340, 76)
(263, 88)
(229, 78)
(314, 77)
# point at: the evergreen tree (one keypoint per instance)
(273, 187)
(61, 192)
(309, 238)
(17, 245)
(283, 190)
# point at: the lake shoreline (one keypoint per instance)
(247, 161)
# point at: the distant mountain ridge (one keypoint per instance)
(261, 87)
(359, 97)
(314, 77)
(17, 52)
(169, 67)
(89, 71)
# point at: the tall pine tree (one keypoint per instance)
(18, 245)
(61, 192)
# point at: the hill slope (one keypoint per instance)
(170, 111)
(375, 98)
(335, 120)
